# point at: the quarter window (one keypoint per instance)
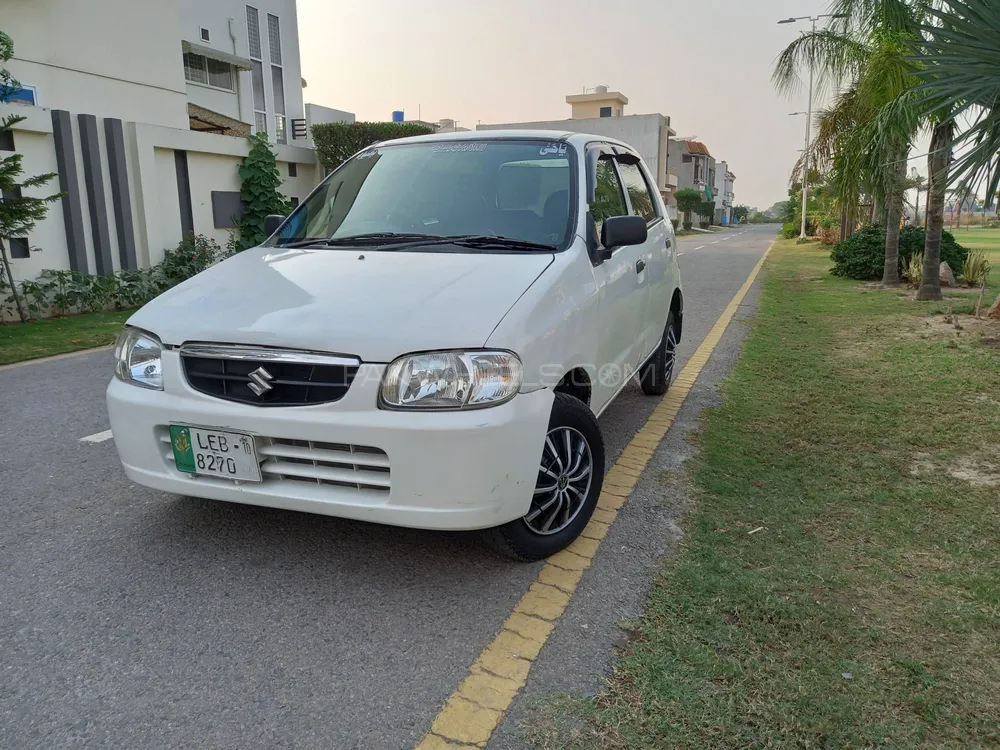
(609, 200)
(638, 191)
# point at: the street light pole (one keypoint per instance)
(812, 56)
(809, 115)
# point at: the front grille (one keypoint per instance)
(335, 464)
(280, 379)
(332, 465)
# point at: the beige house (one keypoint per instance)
(600, 103)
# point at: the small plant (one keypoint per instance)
(675, 222)
(193, 255)
(976, 269)
(913, 270)
(790, 230)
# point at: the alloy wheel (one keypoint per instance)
(564, 478)
(671, 355)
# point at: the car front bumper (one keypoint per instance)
(446, 470)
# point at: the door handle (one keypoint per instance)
(640, 265)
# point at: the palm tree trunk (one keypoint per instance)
(13, 286)
(937, 185)
(894, 206)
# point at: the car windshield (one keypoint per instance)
(518, 190)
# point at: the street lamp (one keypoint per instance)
(805, 165)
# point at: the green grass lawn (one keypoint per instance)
(987, 240)
(21, 341)
(859, 430)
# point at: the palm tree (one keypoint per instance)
(961, 81)
(865, 55)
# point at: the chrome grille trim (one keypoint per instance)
(266, 354)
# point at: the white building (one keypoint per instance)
(724, 195)
(603, 113)
(133, 103)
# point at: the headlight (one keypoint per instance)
(451, 380)
(137, 359)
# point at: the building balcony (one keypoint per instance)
(671, 181)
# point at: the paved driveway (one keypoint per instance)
(137, 619)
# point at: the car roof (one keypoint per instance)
(578, 140)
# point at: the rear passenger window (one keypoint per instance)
(638, 191)
(609, 200)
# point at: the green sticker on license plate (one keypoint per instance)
(180, 441)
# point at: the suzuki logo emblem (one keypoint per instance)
(260, 381)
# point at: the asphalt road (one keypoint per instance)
(137, 619)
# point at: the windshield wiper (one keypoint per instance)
(359, 240)
(480, 241)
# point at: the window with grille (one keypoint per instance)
(280, 131)
(274, 38)
(260, 122)
(209, 72)
(253, 32)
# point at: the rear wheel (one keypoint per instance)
(657, 373)
(570, 476)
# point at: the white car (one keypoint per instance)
(426, 341)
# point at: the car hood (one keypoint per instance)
(372, 304)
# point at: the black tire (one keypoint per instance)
(517, 539)
(657, 373)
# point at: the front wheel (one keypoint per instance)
(570, 476)
(657, 373)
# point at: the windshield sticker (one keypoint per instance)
(443, 148)
(555, 149)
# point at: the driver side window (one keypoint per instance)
(609, 199)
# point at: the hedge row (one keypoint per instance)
(336, 142)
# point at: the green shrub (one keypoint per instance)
(976, 269)
(193, 255)
(67, 292)
(862, 255)
(336, 142)
(790, 230)
(688, 225)
(675, 222)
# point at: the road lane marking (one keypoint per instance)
(473, 711)
(699, 247)
(716, 242)
(679, 254)
(97, 437)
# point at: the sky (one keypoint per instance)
(706, 64)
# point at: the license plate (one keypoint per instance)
(215, 453)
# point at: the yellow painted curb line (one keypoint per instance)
(476, 708)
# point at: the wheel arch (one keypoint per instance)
(576, 382)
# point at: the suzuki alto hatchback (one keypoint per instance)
(426, 341)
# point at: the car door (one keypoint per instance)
(655, 253)
(620, 291)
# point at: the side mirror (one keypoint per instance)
(271, 223)
(619, 231)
